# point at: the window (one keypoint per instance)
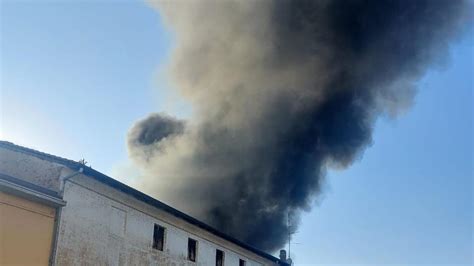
(219, 258)
(158, 237)
(118, 220)
(241, 262)
(192, 249)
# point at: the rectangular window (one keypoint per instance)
(219, 258)
(192, 249)
(118, 222)
(158, 237)
(241, 262)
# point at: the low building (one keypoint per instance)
(79, 216)
(27, 221)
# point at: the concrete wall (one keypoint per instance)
(103, 226)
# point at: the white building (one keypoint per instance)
(105, 222)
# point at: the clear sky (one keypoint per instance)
(75, 76)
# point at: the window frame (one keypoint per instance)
(242, 262)
(156, 228)
(219, 251)
(189, 257)
(116, 213)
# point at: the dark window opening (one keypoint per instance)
(192, 248)
(219, 258)
(241, 262)
(158, 237)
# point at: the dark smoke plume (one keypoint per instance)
(148, 136)
(281, 90)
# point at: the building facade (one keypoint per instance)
(96, 220)
(27, 222)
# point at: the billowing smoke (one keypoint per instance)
(281, 90)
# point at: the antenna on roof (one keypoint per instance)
(289, 235)
(290, 232)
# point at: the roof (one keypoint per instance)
(89, 171)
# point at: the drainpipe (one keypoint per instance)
(66, 178)
(52, 259)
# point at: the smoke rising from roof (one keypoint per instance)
(281, 90)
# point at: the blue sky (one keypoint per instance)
(75, 76)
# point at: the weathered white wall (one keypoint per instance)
(103, 226)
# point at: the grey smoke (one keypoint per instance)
(281, 90)
(148, 136)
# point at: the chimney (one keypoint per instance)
(283, 255)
